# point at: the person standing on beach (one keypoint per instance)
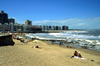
(60, 43)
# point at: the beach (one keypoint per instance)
(22, 54)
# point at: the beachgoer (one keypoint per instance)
(12, 33)
(23, 41)
(31, 40)
(17, 37)
(37, 46)
(14, 36)
(79, 55)
(25, 37)
(75, 54)
(60, 43)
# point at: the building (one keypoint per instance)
(11, 20)
(56, 27)
(27, 22)
(43, 27)
(32, 29)
(59, 28)
(50, 28)
(64, 27)
(3, 17)
(53, 28)
(6, 25)
(46, 27)
(18, 27)
(1, 27)
(11, 27)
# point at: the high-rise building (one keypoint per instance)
(27, 22)
(3, 17)
(64, 27)
(59, 28)
(56, 27)
(11, 20)
(49, 27)
(46, 27)
(43, 27)
(53, 28)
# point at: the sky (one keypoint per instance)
(76, 14)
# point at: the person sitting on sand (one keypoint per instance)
(75, 54)
(18, 38)
(79, 55)
(23, 41)
(37, 46)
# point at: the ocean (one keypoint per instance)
(89, 38)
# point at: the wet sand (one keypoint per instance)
(22, 54)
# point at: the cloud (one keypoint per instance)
(73, 23)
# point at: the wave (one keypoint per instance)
(91, 41)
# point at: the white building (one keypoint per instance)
(27, 22)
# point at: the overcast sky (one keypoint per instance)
(77, 14)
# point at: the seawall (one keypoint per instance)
(6, 40)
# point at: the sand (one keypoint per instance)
(48, 55)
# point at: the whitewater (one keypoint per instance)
(82, 38)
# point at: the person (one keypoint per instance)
(79, 55)
(60, 43)
(18, 38)
(23, 41)
(31, 40)
(14, 36)
(12, 33)
(37, 46)
(75, 54)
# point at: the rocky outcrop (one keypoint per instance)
(6, 40)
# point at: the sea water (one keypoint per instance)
(89, 38)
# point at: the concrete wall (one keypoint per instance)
(6, 40)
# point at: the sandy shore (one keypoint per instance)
(48, 55)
